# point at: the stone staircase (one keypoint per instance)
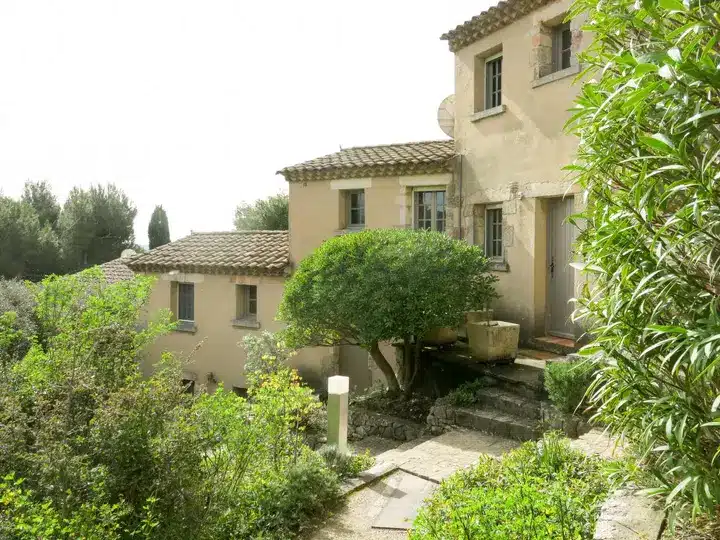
(509, 406)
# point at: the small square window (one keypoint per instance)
(186, 302)
(189, 386)
(430, 210)
(246, 302)
(493, 233)
(355, 208)
(561, 47)
(493, 81)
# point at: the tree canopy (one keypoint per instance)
(380, 285)
(158, 229)
(269, 214)
(95, 226)
(43, 200)
(648, 161)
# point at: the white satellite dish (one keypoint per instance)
(446, 116)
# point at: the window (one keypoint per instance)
(561, 47)
(246, 302)
(186, 302)
(189, 386)
(493, 81)
(493, 233)
(356, 208)
(430, 210)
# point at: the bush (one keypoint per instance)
(567, 383)
(344, 464)
(17, 321)
(383, 285)
(466, 394)
(541, 490)
(414, 407)
(647, 162)
(91, 449)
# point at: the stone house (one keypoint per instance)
(497, 183)
(219, 287)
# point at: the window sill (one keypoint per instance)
(487, 113)
(187, 327)
(499, 266)
(552, 77)
(349, 230)
(245, 323)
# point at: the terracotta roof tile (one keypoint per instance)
(495, 18)
(385, 160)
(234, 252)
(116, 270)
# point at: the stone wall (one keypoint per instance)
(362, 423)
(572, 425)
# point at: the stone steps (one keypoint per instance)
(554, 344)
(509, 403)
(518, 379)
(499, 423)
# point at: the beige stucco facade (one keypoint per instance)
(514, 158)
(213, 346)
(317, 208)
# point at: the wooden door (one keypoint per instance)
(561, 276)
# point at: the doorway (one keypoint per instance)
(561, 276)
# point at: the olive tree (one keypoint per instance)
(649, 163)
(380, 285)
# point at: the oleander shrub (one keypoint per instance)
(647, 120)
(542, 490)
(567, 383)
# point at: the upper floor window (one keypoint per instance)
(186, 302)
(356, 208)
(246, 297)
(493, 81)
(430, 210)
(493, 232)
(561, 46)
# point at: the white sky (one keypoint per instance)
(195, 104)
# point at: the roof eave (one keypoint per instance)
(338, 173)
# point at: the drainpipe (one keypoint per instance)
(458, 168)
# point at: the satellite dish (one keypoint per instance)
(446, 116)
(127, 253)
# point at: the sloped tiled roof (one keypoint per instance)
(495, 18)
(116, 270)
(235, 252)
(386, 160)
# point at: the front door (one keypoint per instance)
(561, 276)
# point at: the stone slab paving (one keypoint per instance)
(404, 503)
(596, 441)
(628, 516)
(441, 456)
(353, 522)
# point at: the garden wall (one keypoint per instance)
(363, 423)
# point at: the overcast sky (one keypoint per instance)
(195, 104)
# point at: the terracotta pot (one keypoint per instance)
(440, 336)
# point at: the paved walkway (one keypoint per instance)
(433, 459)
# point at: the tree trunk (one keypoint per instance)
(384, 366)
(406, 370)
(413, 379)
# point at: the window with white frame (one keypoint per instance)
(355, 200)
(246, 302)
(429, 210)
(493, 81)
(561, 47)
(493, 232)
(186, 302)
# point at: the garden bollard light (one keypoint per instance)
(337, 412)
